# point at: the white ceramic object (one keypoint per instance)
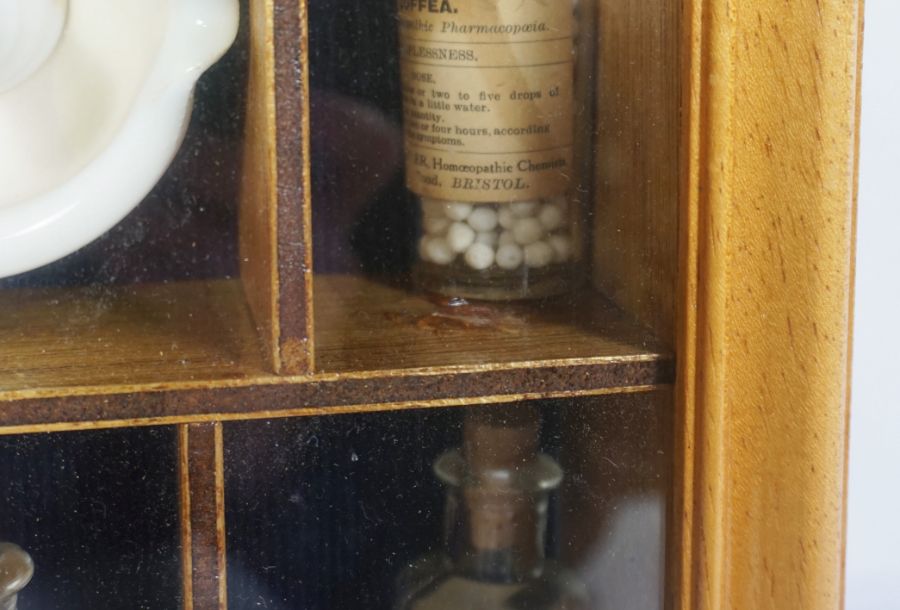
(95, 96)
(29, 31)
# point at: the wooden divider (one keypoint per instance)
(636, 180)
(202, 488)
(275, 217)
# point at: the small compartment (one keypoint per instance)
(368, 312)
(98, 512)
(328, 512)
(158, 298)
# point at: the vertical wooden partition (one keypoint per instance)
(275, 210)
(201, 473)
(638, 143)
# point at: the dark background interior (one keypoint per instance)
(98, 512)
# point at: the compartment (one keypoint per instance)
(158, 298)
(367, 315)
(327, 512)
(98, 512)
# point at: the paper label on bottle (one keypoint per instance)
(458, 593)
(488, 98)
(465, 593)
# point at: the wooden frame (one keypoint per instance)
(767, 248)
(739, 260)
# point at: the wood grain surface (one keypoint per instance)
(184, 352)
(59, 338)
(367, 325)
(275, 212)
(202, 489)
(258, 222)
(636, 179)
(768, 242)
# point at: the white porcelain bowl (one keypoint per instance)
(95, 96)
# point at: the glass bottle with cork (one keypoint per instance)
(16, 570)
(495, 520)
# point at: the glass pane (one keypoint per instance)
(186, 226)
(350, 511)
(98, 512)
(455, 165)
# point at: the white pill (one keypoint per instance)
(538, 254)
(423, 249)
(527, 231)
(457, 210)
(509, 256)
(523, 209)
(562, 248)
(506, 238)
(505, 218)
(435, 226)
(460, 236)
(482, 219)
(488, 238)
(437, 250)
(479, 256)
(551, 216)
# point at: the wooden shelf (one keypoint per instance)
(59, 339)
(185, 352)
(364, 325)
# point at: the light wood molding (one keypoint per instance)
(767, 240)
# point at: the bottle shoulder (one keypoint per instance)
(432, 584)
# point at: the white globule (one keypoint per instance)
(506, 218)
(509, 256)
(460, 236)
(527, 231)
(436, 250)
(479, 256)
(506, 238)
(552, 216)
(562, 248)
(523, 209)
(538, 254)
(435, 225)
(488, 238)
(423, 248)
(457, 210)
(505, 235)
(482, 219)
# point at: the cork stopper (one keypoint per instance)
(501, 519)
(500, 438)
(495, 440)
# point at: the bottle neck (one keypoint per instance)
(496, 535)
(8, 603)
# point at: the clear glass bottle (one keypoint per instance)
(16, 570)
(497, 130)
(494, 544)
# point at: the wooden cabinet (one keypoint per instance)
(720, 303)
